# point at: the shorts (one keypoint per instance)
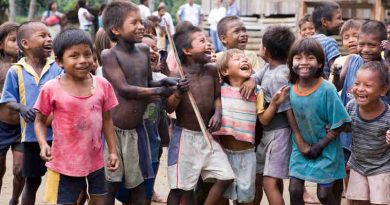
(273, 153)
(33, 165)
(190, 157)
(10, 136)
(243, 163)
(375, 188)
(129, 171)
(62, 189)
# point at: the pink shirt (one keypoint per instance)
(77, 126)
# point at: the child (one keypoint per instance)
(232, 33)
(189, 157)
(312, 96)
(102, 41)
(127, 67)
(306, 26)
(85, 18)
(81, 105)
(237, 133)
(370, 158)
(9, 119)
(21, 88)
(327, 21)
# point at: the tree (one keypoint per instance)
(31, 9)
(12, 12)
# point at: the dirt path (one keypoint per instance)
(161, 187)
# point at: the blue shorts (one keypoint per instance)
(10, 136)
(33, 165)
(62, 189)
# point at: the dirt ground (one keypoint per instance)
(161, 184)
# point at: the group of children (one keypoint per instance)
(309, 132)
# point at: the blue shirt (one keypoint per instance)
(315, 112)
(22, 85)
(233, 10)
(190, 13)
(331, 50)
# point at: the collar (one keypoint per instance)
(28, 68)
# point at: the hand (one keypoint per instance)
(304, 148)
(166, 91)
(170, 81)
(215, 122)
(46, 153)
(315, 150)
(281, 95)
(335, 69)
(27, 113)
(113, 162)
(247, 88)
(388, 137)
(385, 44)
(183, 85)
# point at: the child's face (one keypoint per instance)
(333, 26)
(212, 51)
(369, 47)
(239, 67)
(388, 32)
(77, 61)
(305, 65)
(132, 30)
(39, 43)
(367, 87)
(200, 51)
(307, 29)
(154, 56)
(350, 40)
(236, 36)
(9, 45)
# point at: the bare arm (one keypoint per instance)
(109, 134)
(114, 74)
(269, 113)
(215, 121)
(27, 113)
(303, 147)
(40, 132)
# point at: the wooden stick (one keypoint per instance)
(205, 132)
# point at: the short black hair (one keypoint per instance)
(81, 4)
(24, 31)
(350, 24)
(323, 10)
(70, 37)
(379, 67)
(307, 46)
(114, 15)
(278, 40)
(183, 40)
(50, 4)
(5, 29)
(221, 26)
(374, 27)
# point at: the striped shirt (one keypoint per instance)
(239, 115)
(22, 85)
(331, 50)
(370, 153)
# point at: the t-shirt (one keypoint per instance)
(331, 50)
(84, 22)
(215, 15)
(77, 126)
(370, 152)
(190, 13)
(233, 10)
(316, 111)
(271, 80)
(239, 115)
(144, 11)
(22, 85)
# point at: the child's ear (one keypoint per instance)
(59, 62)
(186, 51)
(224, 73)
(223, 39)
(324, 22)
(24, 43)
(115, 31)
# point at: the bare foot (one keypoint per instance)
(309, 199)
(159, 199)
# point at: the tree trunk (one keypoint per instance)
(31, 9)
(12, 15)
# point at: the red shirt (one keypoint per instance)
(77, 126)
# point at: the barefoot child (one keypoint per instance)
(232, 33)
(320, 115)
(127, 67)
(370, 157)
(189, 156)
(81, 104)
(9, 119)
(21, 89)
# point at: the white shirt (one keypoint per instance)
(84, 22)
(144, 11)
(216, 14)
(168, 18)
(190, 13)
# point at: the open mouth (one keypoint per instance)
(361, 98)
(243, 41)
(47, 48)
(245, 67)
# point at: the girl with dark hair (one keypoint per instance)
(52, 18)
